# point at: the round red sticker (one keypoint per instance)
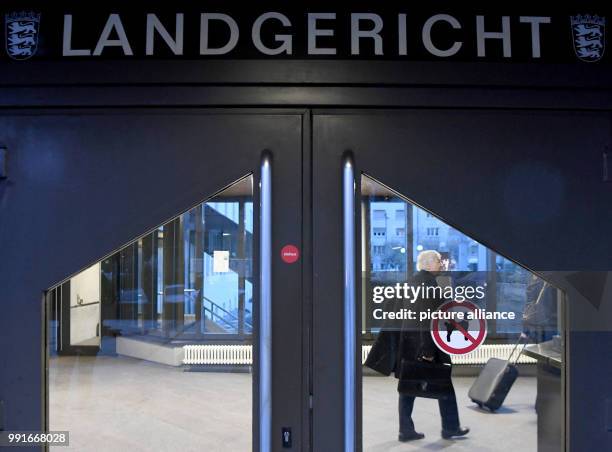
(290, 254)
(458, 337)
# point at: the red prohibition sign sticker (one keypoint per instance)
(459, 336)
(290, 254)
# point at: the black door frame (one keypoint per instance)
(299, 98)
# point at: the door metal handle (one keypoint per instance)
(265, 303)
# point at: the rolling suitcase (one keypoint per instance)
(495, 381)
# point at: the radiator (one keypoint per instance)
(243, 354)
(218, 354)
(479, 356)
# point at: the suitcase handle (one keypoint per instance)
(521, 336)
(537, 302)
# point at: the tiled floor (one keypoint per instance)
(512, 428)
(124, 404)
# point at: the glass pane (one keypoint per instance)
(404, 246)
(126, 333)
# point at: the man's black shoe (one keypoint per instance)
(405, 437)
(448, 434)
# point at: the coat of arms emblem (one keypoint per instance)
(21, 34)
(589, 36)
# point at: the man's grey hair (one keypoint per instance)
(425, 257)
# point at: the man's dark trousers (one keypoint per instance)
(448, 411)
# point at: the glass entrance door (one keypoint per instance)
(405, 189)
(189, 336)
(273, 278)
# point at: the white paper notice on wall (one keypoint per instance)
(221, 261)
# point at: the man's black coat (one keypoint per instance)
(412, 341)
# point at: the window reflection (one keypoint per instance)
(187, 280)
(397, 231)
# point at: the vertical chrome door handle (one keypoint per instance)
(265, 316)
(348, 214)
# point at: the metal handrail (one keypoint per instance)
(217, 318)
(225, 311)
